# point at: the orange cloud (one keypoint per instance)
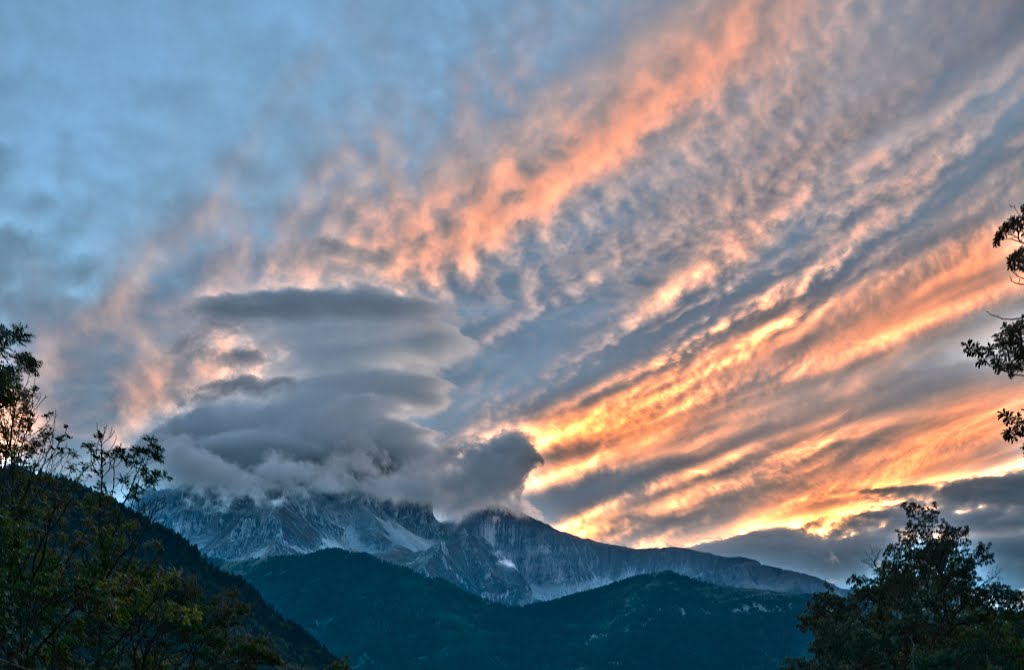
(574, 137)
(779, 182)
(693, 403)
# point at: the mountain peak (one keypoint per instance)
(498, 554)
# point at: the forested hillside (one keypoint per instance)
(387, 617)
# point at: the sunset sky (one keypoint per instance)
(657, 273)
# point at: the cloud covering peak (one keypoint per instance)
(327, 398)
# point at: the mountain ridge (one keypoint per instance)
(502, 556)
(357, 604)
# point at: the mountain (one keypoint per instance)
(387, 617)
(504, 557)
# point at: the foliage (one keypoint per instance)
(1004, 354)
(83, 582)
(926, 606)
(27, 439)
(1012, 229)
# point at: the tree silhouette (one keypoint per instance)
(82, 584)
(1004, 354)
(927, 606)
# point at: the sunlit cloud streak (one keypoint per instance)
(661, 274)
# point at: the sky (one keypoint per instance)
(658, 273)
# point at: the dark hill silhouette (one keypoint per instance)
(80, 509)
(385, 616)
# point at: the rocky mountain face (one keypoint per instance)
(498, 555)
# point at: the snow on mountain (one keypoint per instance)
(498, 555)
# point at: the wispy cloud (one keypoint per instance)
(711, 262)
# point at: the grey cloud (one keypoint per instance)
(387, 458)
(15, 244)
(364, 303)
(244, 384)
(339, 404)
(40, 284)
(428, 343)
(832, 560)
(247, 447)
(490, 474)
(913, 491)
(990, 506)
(329, 409)
(421, 390)
(509, 197)
(329, 334)
(338, 249)
(242, 356)
(7, 161)
(460, 479)
(421, 345)
(197, 467)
